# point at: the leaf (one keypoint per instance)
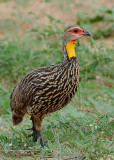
(34, 30)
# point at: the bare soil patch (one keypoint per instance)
(23, 13)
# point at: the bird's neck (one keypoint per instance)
(69, 49)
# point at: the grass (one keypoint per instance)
(81, 130)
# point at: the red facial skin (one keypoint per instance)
(79, 31)
(74, 41)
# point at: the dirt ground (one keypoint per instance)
(39, 7)
(21, 10)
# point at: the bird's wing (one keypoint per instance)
(34, 81)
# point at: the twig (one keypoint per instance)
(71, 157)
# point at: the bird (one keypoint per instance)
(50, 88)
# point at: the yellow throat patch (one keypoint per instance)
(70, 49)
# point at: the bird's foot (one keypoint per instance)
(30, 128)
(34, 135)
(37, 134)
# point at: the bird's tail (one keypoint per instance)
(17, 119)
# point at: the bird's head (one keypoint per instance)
(71, 35)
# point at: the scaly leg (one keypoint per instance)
(33, 127)
(36, 133)
(41, 139)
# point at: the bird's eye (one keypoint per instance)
(75, 30)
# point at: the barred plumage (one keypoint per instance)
(47, 89)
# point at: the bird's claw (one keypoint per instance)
(35, 135)
(30, 135)
(30, 128)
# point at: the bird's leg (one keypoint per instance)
(33, 127)
(41, 139)
(37, 127)
(37, 134)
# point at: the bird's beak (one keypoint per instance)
(87, 33)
